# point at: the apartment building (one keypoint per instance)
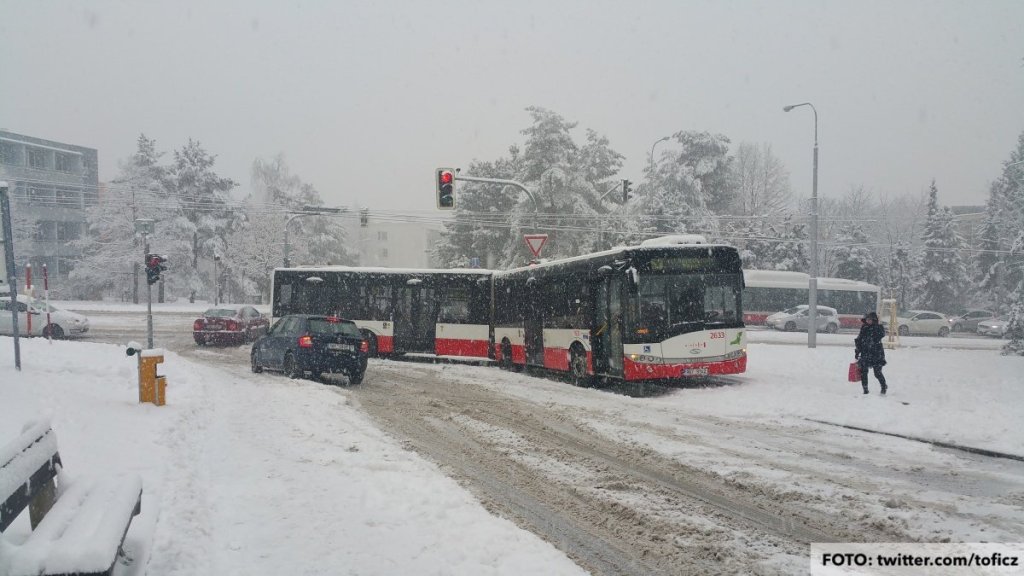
(51, 185)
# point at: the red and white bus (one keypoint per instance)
(441, 312)
(664, 310)
(771, 291)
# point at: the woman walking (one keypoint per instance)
(869, 351)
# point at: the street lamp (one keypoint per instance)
(812, 303)
(306, 211)
(653, 146)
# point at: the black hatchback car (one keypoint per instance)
(301, 343)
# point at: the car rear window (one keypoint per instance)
(322, 326)
(220, 313)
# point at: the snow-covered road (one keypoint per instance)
(252, 473)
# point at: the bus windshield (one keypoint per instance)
(678, 303)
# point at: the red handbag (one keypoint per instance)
(854, 375)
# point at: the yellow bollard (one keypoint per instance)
(152, 388)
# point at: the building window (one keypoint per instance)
(64, 162)
(36, 158)
(382, 236)
(383, 252)
(46, 231)
(8, 153)
(67, 231)
(41, 195)
(68, 198)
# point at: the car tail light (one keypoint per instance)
(197, 325)
(305, 341)
(364, 347)
(232, 325)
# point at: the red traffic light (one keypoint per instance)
(447, 177)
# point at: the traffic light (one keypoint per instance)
(445, 189)
(627, 188)
(154, 266)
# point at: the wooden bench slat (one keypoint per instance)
(83, 531)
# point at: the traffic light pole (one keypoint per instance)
(520, 185)
(149, 299)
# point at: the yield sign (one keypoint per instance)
(535, 242)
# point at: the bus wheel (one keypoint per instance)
(371, 343)
(506, 354)
(578, 366)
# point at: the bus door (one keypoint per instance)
(533, 325)
(606, 340)
(415, 319)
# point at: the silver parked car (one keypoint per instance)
(63, 323)
(796, 319)
(995, 327)
(968, 321)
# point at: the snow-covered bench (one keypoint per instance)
(76, 529)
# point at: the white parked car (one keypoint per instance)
(63, 324)
(993, 327)
(796, 319)
(923, 322)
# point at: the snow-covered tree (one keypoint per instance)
(687, 186)
(942, 276)
(760, 182)
(567, 181)
(900, 278)
(853, 257)
(110, 244)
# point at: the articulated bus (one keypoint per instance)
(662, 310)
(441, 312)
(771, 291)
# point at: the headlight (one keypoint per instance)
(644, 358)
(736, 354)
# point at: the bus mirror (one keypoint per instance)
(605, 271)
(634, 278)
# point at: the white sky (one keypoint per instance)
(365, 99)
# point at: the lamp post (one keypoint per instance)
(656, 142)
(812, 288)
(306, 211)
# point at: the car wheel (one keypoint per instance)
(958, 328)
(903, 331)
(943, 332)
(790, 326)
(257, 367)
(578, 366)
(291, 370)
(53, 331)
(506, 354)
(831, 328)
(356, 378)
(200, 341)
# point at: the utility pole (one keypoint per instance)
(11, 271)
(135, 265)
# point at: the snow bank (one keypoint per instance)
(254, 474)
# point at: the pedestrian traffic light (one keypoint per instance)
(154, 266)
(627, 189)
(445, 189)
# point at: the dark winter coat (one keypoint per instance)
(869, 345)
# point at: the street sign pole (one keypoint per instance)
(149, 301)
(11, 271)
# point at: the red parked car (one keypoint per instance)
(230, 326)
